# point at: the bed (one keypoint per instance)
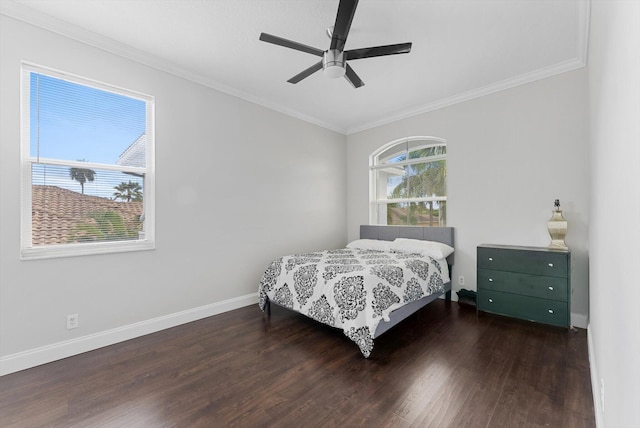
(367, 288)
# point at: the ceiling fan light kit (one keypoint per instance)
(333, 64)
(334, 60)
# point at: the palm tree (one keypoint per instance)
(82, 175)
(130, 191)
(104, 226)
(422, 179)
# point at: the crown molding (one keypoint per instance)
(33, 17)
(476, 93)
(584, 17)
(30, 16)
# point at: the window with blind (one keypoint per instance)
(408, 182)
(87, 166)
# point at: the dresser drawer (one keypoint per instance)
(546, 287)
(524, 307)
(532, 262)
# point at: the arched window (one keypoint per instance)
(408, 182)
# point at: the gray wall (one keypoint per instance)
(614, 229)
(510, 154)
(237, 185)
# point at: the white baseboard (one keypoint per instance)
(46, 354)
(578, 320)
(595, 380)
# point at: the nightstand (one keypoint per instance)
(531, 283)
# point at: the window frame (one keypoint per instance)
(375, 202)
(147, 239)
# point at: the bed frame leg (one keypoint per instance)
(447, 296)
(268, 307)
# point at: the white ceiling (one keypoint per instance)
(461, 48)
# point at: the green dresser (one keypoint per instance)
(531, 283)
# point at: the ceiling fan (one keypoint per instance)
(334, 60)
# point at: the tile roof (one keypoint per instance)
(55, 211)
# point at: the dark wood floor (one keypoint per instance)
(443, 367)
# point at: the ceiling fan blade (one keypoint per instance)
(290, 44)
(306, 73)
(353, 78)
(346, 11)
(400, 48)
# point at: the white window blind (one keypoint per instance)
(408, 182)
(87, 166)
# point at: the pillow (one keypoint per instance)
(370, 244)
(434, 249)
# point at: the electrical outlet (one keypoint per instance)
(602, 394)
(461, 280)
(72, 321)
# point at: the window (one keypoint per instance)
(87, 166)
(408, 182)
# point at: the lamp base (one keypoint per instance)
(557, 226)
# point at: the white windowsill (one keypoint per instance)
(85, 249)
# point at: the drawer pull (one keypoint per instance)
(490, 259)
(551, 288)
(550, 311)
(490, 300)
(490, 279)
(550, 264)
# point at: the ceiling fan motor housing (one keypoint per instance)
(333, 63)
(334, 60)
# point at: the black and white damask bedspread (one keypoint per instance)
(351, 289)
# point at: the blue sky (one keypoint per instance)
(79, 122)
(69, 121)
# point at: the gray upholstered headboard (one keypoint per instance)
(389, 233)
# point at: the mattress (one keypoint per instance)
(352, 289)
